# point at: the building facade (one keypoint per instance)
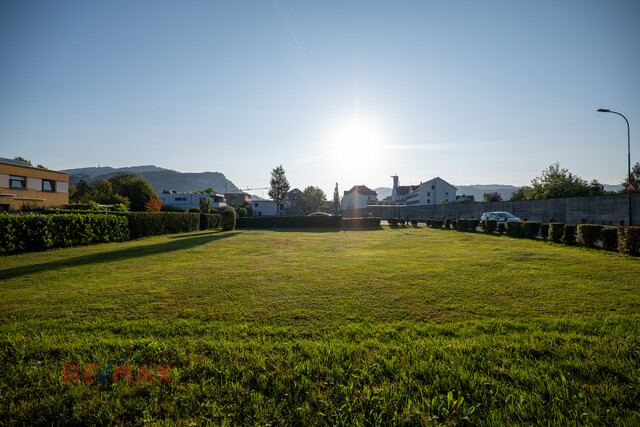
(358, 197)
(266, 208)
(23, 186)
(186, 201)
(432, 192)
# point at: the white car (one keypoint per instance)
(319, 214)
(501, 217)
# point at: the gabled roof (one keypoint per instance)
(404, 189)
(433, 179)
(362, 189)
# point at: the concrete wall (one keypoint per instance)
(596, 210)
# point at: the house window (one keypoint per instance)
(256, 205)
(433, 187)
(428, 200)
(429, 194)
(181, 199)
(446, 193)
(48, 185)
(17, 181)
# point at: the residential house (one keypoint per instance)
(358, 197)
(187, 201)
(23, 186)
(266, 208)
(431, 192)
(237, 198)
(292, 202)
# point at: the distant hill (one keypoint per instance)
(159, 178)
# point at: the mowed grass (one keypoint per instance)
(378, 327)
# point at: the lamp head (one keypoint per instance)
(603, 110)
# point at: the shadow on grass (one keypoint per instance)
(313, 229)
(188, 242)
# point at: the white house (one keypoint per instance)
(431, 192)
(187, 201)
(265, 208)
(358, 197)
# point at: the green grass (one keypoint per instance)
(390, 326)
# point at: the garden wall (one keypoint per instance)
(606, 210)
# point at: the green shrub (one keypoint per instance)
(428, 223)
(556, 230)
(170, 208)
(569, 235)
(530, 229)
(501, 228)
(447, 222)
(194, 210)
(609, 237)
(228, 218)
(414, 222)
(208, 221)
(454, 224)
(589, 234)
(544, 231)
(354, 223)
(29, 233)
(629, 240)
(514, 229)
(392, 221)
(303, 221)
(490, 225)
(436, 223)
(144, 224)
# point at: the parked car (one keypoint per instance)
(319, 214)
(501, 217)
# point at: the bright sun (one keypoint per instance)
(356, 139)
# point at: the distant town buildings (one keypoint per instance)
(358, 197)
(24, 186)
(432, 192)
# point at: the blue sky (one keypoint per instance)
(335, 91)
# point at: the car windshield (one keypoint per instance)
(503, 215)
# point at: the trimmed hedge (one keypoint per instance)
(144, 224)
(414, 222)
(30, 233)
(358, 223)
(569, 235)
(544, 231)
(228, 218)
(514, 229)
(501, 228)
(530, 229)
(609, 237)
(629, 240)
(436, 223)
(467, 224)
(490, 225)
(556, 230)
(293, 221)
(208, 221)
(447, 222)
(589, 234)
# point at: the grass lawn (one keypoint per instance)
(390, 326)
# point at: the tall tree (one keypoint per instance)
(312, 199)
(336, 199)
(557, 182)
(134, 188)
(279, 186)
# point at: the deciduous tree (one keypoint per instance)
(312, 199)
(279, 186)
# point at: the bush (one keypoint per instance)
(428, 223)
(228, 218)
(414, 222)
(170, 208)
(29, 233)
(569, 235)
(392, 221)
(490, 225)
(501, 228)
(544, 231)
(467, 224)
(629, 240)
(436, 223)
(208, 221)
(144, 224)
(447, 222)
(514, 229)
(556, 230)
(302, 221)
(589, 234)
(609, 237)
(357, 223)
(194, 210)
(530, 229)
(454, 224)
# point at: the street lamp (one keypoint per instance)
(604, 110)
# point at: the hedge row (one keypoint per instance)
(144, 224)
(30, 233)
(288, 221)
(208, 221)
(624, 239)
(359, 223)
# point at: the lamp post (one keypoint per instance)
(604, 110)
